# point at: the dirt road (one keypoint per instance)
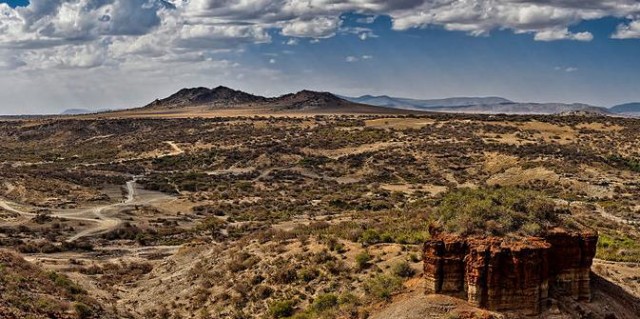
(101, 216)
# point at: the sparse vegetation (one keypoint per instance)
(314, 217)
(497, 211)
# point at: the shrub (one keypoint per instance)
(264, 292)
(63, 282)
(496, 211)
(281, 309)
(362, 260)
(369, 237)
(382, 286)
(285, 276)
(308, 274)
(325, 302)
(403, 269)
(83, 311)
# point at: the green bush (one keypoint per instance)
(281, 309)
(362, 260)
(370, 237)
(496, 211)
(403, 269)
(616, 247)
(382, 286)
(308, 274)
(63, 282)
(325, 302)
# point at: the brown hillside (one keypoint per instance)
(26, 291)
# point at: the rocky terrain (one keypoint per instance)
(511, 276)
(318, 216)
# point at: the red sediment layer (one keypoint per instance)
(501, 275)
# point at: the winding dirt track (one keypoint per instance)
(101, 216)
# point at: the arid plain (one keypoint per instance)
(295, 212)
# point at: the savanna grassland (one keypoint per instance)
(304, 217)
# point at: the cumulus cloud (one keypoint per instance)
(318, 27)
(94, 33)
(562, 34)
(628, 31)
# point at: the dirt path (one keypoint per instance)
(176, 149)
(104, 224)
(96, 215)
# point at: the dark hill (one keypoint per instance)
(220, 96)
(305, 101)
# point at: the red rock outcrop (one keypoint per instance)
(510, 275)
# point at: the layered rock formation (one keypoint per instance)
(510, 275)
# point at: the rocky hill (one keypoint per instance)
(223, 98)
(220, 97)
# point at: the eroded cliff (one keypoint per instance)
(502, 274)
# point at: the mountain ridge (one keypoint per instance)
(480, 105)
(409, 103)
(221, 97)
(627, 108)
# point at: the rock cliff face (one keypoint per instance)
(507, 275)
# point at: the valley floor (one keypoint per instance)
(305, 216)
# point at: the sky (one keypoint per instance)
(107, 54)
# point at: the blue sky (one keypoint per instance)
(53, 63)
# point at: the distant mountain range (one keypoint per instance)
(629, 108)
(491, 105)
(220, 100)
(81, 111)
(224, 99)
(396, 102)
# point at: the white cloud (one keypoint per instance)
(103, 32)
(351, 59)
(318, 27)
(569, 69)
(168, 38)
(292, 41)
(367, 20)
(362, 33)
(628, 31)
(562, 34)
